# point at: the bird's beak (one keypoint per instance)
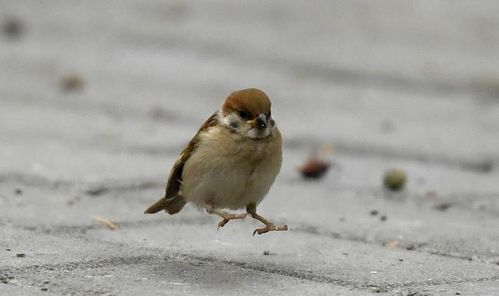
(261, 121)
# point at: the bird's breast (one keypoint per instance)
(230, 171)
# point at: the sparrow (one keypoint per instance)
(230, 163)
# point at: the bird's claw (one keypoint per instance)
(226, 218)
(222, 223)
(270, 227)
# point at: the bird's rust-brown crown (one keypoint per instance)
(250, 100)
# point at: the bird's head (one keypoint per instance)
(247, 112)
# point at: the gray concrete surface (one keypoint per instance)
(387, 83)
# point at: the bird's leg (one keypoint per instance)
(226, 217)
(269, 226)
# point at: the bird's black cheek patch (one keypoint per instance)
(234, 124)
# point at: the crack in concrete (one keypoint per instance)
(101, 189)
(302, 227)
(92, 188)
(159, 255)
(71, 229)
(308, 275)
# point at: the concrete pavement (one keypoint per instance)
(390, 84)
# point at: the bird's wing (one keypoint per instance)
(175, 178)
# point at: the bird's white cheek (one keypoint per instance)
(231, 121)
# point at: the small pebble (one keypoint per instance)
(410, 247)
(44, 289)
(383, 218)
(18, 191)
(374, 212)
(268, 253)
(444, 206)
(20, 255)
(8, 249)
(401, 259)
(395, 179)
(314, 168)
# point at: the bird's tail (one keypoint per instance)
(171, 205)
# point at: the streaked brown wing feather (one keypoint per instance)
(175, 179)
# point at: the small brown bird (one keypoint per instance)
(230, 163)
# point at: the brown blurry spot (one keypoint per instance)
(71, 82)
(314, 168)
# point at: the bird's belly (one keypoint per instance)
(225, 188)
(224, 185)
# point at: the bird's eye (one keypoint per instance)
(243, 114)
(269, 115)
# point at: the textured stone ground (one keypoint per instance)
(387, 83)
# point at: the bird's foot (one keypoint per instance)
(270, 227)
(227, 217)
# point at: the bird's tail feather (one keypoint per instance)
(171, 206)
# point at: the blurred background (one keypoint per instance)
(409, 80)
(97, 99)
